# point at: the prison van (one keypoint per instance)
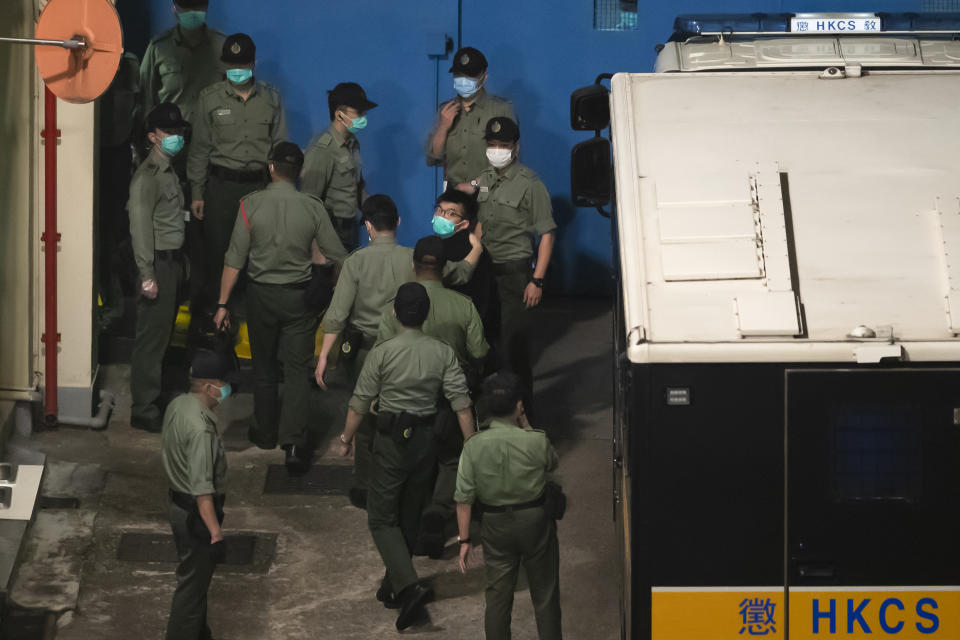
(786, 225)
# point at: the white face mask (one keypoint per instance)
(499, 158)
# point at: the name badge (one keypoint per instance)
(222, 112)
(484, 189)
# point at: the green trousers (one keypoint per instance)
(363, 439)
(188, 613)
(510, 539)
(399, 489)
(221, 207)
(449, 446)
(281, 334)
(155, 320)
(514, 331)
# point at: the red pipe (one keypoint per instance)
(51, 240)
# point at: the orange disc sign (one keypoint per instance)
(81, 74)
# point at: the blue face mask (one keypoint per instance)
(225, 391)
(239, 76)
(443, 227)
(172, 145)
(466, 87)
(192, 19)
(356, 124)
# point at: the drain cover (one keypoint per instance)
(320, 480)
(254, 552)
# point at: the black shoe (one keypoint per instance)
(412, 600)
(358, 497)
(151, 426)
(431, 541)
(386, 596)
(262, 443)
(296, 461)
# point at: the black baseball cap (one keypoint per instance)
(503, 129)
(192, 4)
(469, 62)
(287, 152)
(412, 304)
(429, 252)
(352, 95)
(238, 48)
(215, 365)
(166, 116)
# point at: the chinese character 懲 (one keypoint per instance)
(803, 25)
(757, 616)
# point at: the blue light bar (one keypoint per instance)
(686, 26)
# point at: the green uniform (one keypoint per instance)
(333, 171)
(196, 465)
(232, 138)
(367, 285)
(156, 230)
(500, 467)
(272, 235)
(178, 65)
(465, 152)
(513, 204)
(405, 375)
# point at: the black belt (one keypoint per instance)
(513, 507)
(234, 175)
(512, 267)
(284, 285)
(168, 254)
(344, 224)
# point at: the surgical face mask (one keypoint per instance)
(239, 76)
(466, 87)
(443, 227)
(225, 391)
(499, 158)
(356, 123)
(191, 19)
(172, 145)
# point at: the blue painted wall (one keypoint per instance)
(538, 51)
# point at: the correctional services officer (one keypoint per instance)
(513, 202)
(156, 232)
(405, 376)
(504, 470)
(182, 61)
(332, 168)
(456, 140)
(238, 122)
(179, 64)
(454, 321)
(196, 467)
(274, 231)
(367, 284)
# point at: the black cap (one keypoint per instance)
(287, 152)
(411, 304)
(352, 95)
(429, 252)
(167, 117)
(469, 61)
(503, 129)
(192, 4)
(214, 365)
(238, 49)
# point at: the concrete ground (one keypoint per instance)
(322, 578)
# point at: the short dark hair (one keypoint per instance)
(380, 211)
(412, 304)
(502, 390)
(286, 170)
(455, 196)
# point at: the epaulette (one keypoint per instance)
(216, 86)
(527, 172)
(165, 35)
(537, 430)
(324, 139)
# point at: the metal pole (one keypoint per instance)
(66, 44)
(50, 239)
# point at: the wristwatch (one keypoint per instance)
(343, 440)
(475, 185)
(537, 281)
(463, 540)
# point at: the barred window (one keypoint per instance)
(615, 15)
